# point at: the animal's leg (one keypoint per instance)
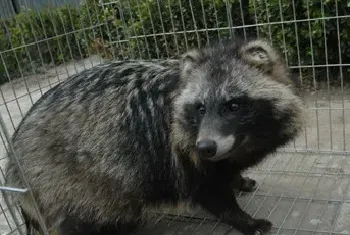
(244, 184)
(220, 202)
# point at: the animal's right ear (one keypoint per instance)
(189, 61)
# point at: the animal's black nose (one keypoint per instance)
(206, 148)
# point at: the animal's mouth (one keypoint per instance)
(220, 157)
(230, 154)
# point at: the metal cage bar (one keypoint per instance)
(303, 188)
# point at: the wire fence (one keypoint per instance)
(9, 8)
(304, 192)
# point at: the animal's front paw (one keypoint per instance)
(248, 185)
(261, 227)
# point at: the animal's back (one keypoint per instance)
(87, 141)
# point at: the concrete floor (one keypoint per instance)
(300, 193)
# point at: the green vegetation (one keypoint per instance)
(118, 30)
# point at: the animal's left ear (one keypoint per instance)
(260, 54)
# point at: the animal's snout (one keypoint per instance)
(207, 148)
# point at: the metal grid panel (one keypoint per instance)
(304, 190)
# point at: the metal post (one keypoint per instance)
(16, 6)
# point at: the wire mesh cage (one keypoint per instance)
(304, 189)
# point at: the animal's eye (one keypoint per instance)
(201, 110)
(234, 107)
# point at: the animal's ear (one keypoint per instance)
(260, 54)
(189, 60)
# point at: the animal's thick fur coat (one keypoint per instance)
(108, 144)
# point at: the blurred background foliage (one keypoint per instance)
(308, 32)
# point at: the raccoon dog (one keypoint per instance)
(109, 144)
